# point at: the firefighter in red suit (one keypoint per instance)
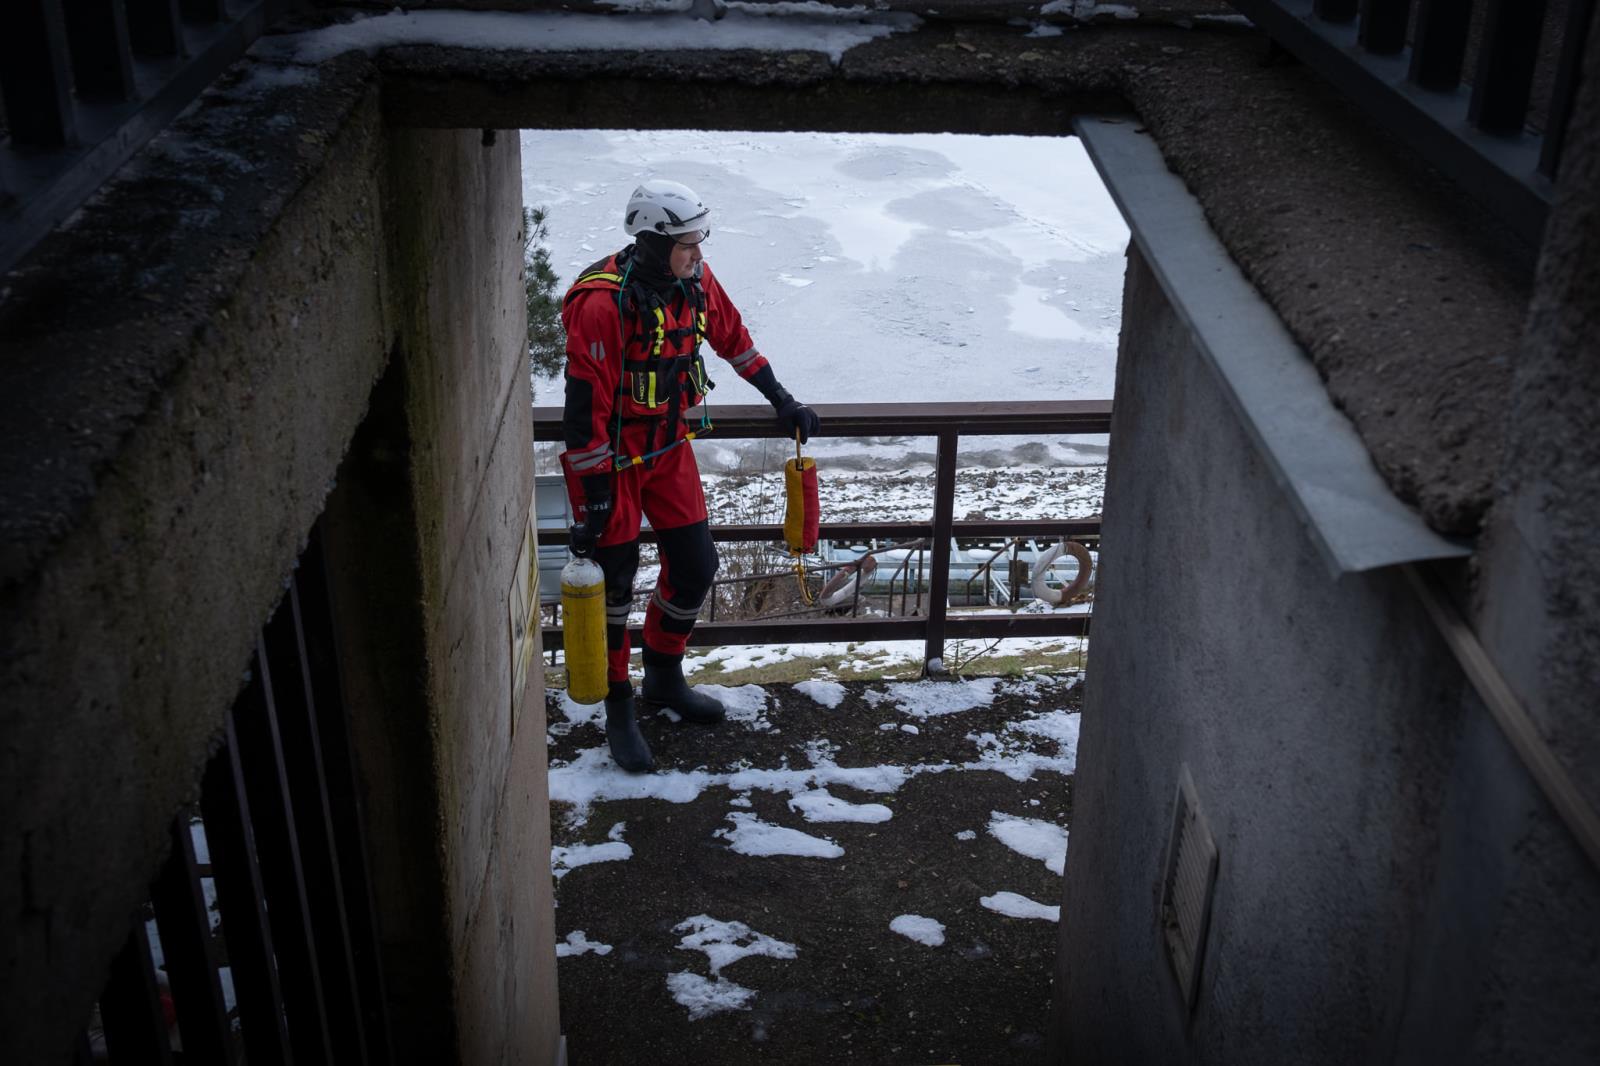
(635, 323)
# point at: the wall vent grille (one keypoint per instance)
(1186, 888)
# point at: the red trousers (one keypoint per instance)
(669, 494)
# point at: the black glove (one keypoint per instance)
(793, 416)
(597, 515)
(796, 417)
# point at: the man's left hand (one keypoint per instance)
(796, 418)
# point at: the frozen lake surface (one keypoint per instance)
(875, 268)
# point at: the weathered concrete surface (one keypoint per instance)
(376, 585)
(1513, 974)
(456, 256)
(186, 369)
(1318, 720)
(1406, 295)
(206, 417)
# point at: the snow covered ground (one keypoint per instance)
(831, 845)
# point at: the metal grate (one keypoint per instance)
(260, 943)
(1186, 888)
(85, 83)
(1481, 135)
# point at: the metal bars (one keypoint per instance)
(1074, 528)
(130, 1006)
(102, 51)
(1506, 58)
(946, 422)
(296, 717)
(156, 29)
(944, 508)
(1383, 26)
(755, 421)
(345, 818)
(278, 835)
(277, 838)
(1439, 48)
(193, 962)
(85, 83)
(35, 74)
(241, 898)
(1481, 138)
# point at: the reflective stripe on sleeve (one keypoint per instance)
(578, 462)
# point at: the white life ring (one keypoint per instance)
(1041, 569)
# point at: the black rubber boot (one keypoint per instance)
(664, 686)
(628, 747)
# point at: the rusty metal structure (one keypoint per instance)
(946, 423)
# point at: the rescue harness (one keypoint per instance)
(654, 383)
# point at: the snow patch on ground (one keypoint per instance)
(922, 930)
(746, 704)
(828, 693)
(1087, 9)
(821, 806)
(751, 836)
(592, 776)
(1012, 905)
(578, 943)
(725, 943)
(566, 858)
(930, 699)
(576, 714)
(966, 834)
(1009, 755)
(704, 998)
(1032, 837)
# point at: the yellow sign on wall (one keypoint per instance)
(523, 605)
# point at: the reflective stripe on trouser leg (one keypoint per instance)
(688, 564)
(619, 563)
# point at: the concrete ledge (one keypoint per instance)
(1311, 449)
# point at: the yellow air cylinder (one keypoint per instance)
(583, 629)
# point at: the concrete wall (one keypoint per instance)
(1512, 967)
(125, 646)
(389, 279)
(455, 252)
(1318, 718)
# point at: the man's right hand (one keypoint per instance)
(596, 515)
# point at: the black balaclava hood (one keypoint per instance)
(652, 261)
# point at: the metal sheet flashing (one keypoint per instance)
(1313, 451)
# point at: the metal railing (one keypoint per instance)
(265, 928)
(1404, 65)
(86, 83)
(946, 423)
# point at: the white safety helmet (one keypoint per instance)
(667, 208)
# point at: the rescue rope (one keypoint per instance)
(800, 516)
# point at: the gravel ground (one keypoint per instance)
(853, 989)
